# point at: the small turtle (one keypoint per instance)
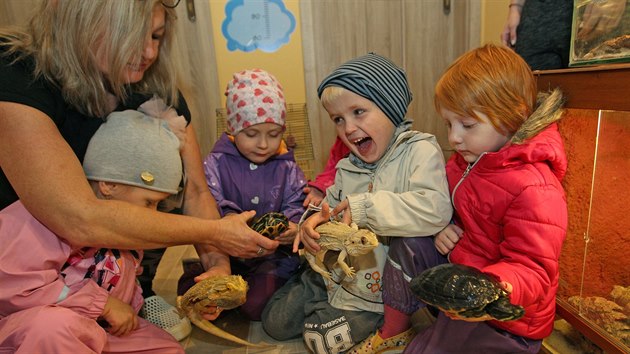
(465, 292)
(271, 224)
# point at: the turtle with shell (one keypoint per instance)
(465, 292)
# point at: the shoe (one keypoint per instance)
(375, 344)
(157, 311)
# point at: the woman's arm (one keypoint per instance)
(49, 180)
(199, 202)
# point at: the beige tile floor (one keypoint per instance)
(165, 285)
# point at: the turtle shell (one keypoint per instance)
(271, 224)
(461, 289)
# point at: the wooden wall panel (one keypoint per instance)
(417, 35)
(17, 13)
(434, 39)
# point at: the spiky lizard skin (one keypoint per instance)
(227, 292)
(347, 240)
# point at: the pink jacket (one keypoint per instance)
(513, 210)
(31, 262)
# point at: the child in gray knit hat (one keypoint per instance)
(394, 184)
(132, 158)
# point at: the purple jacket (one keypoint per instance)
(239, 185)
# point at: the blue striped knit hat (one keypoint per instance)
(377, 79)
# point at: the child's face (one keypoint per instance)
(361, 125)
(259, 142)
(141, 197)
(470, 137)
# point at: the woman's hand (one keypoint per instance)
(508, 36)
(238, 240)
(211, 313)
(446, 239)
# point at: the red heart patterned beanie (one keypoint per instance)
(253, 97)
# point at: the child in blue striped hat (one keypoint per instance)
(394, 184)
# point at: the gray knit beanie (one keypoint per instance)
(135, 149)
(376, 78)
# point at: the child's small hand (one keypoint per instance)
(313, 196)
(446, 239)
(307, 234)
(288, 236)
(343, 209)
(120, 316)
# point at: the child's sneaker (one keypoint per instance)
(375, 344)
(157, 311)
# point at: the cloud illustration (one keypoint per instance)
(257, 24)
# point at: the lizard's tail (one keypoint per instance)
(207, 326)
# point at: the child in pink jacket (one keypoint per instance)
(58, 298)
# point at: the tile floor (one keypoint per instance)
(165, 285)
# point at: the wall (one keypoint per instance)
(493, 17)
(286, 64)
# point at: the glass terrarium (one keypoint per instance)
(600, 32)
(594, 263)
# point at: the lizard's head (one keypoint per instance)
(361, 242)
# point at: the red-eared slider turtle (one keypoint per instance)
(465, 292)
(271, 224)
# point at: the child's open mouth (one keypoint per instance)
(363, 144)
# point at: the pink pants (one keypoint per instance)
(53, 329)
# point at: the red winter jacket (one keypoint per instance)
(513, 211)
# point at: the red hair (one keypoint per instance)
(492, 80)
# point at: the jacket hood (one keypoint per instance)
(225, 145)
(536, 141)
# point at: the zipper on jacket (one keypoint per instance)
(466, 172)
(399, 141)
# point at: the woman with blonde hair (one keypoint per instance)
(76, 62)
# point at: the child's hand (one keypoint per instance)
(288, 236)
(343, 209)
(313, 196)
(446, 239)
(120, 316)
(307, 234)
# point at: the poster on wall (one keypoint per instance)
(257, 24)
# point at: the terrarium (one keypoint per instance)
(594, 263)
(607, 40)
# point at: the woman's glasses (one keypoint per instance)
(171, 4)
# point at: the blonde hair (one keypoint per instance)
(492, 80)
(331, 93)
(61, 39)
